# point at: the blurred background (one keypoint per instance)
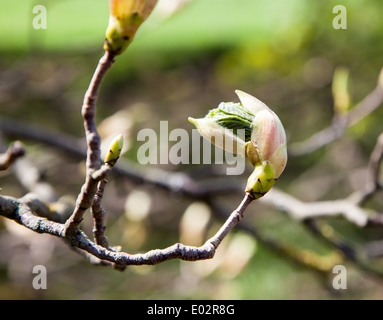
(187, 58)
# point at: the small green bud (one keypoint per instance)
(114, 150)
(261, 180)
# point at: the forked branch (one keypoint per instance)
(25, 215)
(89, 188)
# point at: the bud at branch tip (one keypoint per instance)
(114, 150)
(126, 16)
(252, 129)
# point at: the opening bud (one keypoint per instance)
(125, 18)
(263, 140)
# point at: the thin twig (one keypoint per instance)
(98, 214)
(289, 252)
(373, 182)
(304, 210)
(340, 123)
(19, 212)
(89, 188)
(14, 151)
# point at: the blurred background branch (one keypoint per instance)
(14, 151)
(341, 122)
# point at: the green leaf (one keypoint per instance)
(233, 116)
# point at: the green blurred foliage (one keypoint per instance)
(283, 52)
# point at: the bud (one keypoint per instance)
(261, 180)
(126, 16)
(268, 137)
(114, 150)
(340, 92)
(263, 141)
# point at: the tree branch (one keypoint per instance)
(21, 213)
(89, 188)
(304, 210)
(322, 138)
(98, 214)
(373, 183)
(14, 151)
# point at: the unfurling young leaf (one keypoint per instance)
(264, 142)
